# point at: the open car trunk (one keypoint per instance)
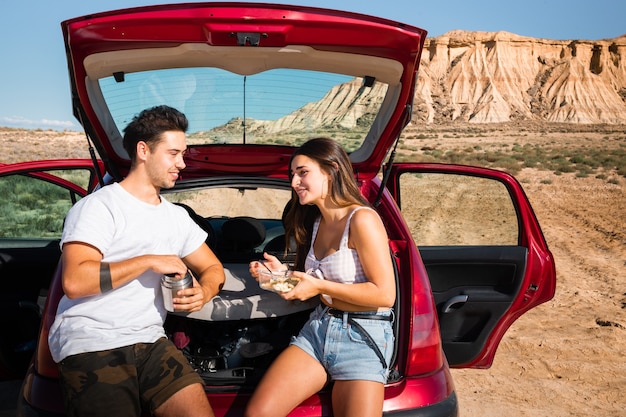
(233, 352)
(234, 338)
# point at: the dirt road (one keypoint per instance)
(567, 357)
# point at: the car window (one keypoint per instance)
(34, 205)
(262, 203)
(450, 209)
(277, 106)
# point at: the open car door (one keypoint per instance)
(35, 199)
(486, 257)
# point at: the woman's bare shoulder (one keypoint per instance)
(364, 216)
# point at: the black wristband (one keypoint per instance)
(106, 284)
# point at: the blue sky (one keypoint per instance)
(34, 86)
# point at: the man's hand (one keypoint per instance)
(190, 299)
(168, 264)
(210, 279)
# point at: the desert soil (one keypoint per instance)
(568, 356)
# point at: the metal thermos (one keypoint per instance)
(170, 285)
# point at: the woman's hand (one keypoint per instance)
(270, 262)
(305, 289)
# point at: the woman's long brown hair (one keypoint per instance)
(344, 191)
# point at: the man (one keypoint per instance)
(108, 336)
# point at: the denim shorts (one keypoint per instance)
(343, 350)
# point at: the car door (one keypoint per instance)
(35, 198)
(484, 252)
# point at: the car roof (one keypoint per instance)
(255, 80)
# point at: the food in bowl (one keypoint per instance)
(277, 281)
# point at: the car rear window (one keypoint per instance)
(277, 106)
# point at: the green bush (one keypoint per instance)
(32, 208)
(552, 156)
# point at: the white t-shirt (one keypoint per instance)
(121, 227)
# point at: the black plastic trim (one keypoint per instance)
(447, 408)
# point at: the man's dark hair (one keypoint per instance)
(148, 125)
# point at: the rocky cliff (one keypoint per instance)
(486, 77)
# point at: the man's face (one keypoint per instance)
(165, 161)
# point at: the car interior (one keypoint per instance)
(235, 336)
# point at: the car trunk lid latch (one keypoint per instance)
(249, 38)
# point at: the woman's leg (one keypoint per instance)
(292, 378)
(358, 398)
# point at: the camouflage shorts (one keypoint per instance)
(125, 381)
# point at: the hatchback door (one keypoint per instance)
(35, 198)
(483, 249)
(255, 80)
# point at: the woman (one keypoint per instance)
(343, 246)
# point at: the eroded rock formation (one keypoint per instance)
(485, 77)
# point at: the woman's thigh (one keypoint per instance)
(358, 398)
(293, 377)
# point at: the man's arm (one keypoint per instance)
(85, 274)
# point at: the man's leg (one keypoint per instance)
(100, 384)
(190, 401)
(169, 384)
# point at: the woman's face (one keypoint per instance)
(310, 183)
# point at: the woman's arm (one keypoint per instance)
(369, 238)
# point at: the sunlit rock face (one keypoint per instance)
(485, 77)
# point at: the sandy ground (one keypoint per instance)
(564, 358)
(568, 356)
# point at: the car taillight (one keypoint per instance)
(425, 352)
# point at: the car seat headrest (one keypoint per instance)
(203, 223)
(244, 233)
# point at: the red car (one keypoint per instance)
(255, 81)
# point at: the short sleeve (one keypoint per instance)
(89, 221)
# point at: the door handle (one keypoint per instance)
(451, 304)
